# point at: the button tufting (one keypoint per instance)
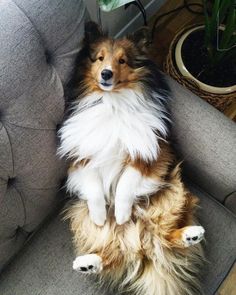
(11, 181)
(48, 56)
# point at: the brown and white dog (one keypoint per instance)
(134, 222)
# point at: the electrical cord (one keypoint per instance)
(185, 5)
(143, 11)
(139, 4)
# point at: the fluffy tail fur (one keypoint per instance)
(150, 254)
(174, 274)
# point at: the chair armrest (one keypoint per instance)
(206, 141)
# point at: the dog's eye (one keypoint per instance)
(121, 61)
(101, 58)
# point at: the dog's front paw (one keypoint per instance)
(88, 264)
(98, 214)
(122, 214)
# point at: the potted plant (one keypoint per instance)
(203, 57)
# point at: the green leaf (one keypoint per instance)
(214, 19)
(229, 30)
(225, 4)
(207, 25)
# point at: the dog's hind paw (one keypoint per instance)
(88, 264)
(192, 235)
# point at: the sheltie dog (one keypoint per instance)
(134, 221)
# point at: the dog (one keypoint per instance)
(134, 223)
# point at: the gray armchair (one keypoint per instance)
(39, 41)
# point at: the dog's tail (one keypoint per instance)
(174, 273)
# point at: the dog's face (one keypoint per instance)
(113, 63)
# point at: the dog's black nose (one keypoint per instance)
(106, 74)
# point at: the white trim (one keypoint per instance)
(151, 8)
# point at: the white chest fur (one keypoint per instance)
(106, 127)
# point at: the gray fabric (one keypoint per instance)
(44, 267)
(230, 202)
(39, 41)
(206, 140)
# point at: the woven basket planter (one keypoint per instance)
(220, 101)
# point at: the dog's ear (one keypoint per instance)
(141, 38)
(92, 32)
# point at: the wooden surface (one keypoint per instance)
(166, 30)
(229, 285)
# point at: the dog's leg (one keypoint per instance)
(125, 194)
(132, 184)
(187, 236)
(86, 183)
(88, 264)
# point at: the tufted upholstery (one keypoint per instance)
(38, 45)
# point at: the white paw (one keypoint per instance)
(98, 218)
(192, 235)
(97, 213)
(122, 214)
(88, 264)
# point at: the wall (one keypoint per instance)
(120, 21)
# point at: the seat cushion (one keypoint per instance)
(45, 266)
